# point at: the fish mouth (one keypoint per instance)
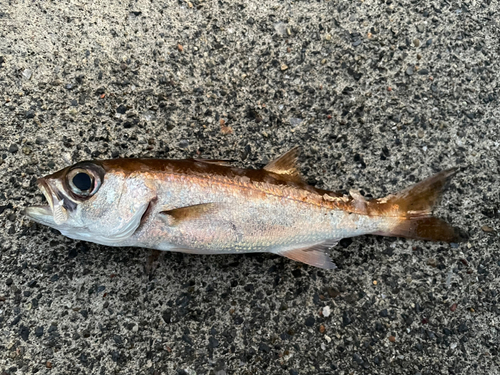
(43, 214)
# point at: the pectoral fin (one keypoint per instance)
(176, 215)
(314, 254)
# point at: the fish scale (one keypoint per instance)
(208, 207)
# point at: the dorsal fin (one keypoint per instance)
(223, 163)
(286, 165)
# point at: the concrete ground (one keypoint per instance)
(380, 94)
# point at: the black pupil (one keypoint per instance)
(82, 181)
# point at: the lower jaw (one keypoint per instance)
(38, 213)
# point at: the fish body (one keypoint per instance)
(208, 207)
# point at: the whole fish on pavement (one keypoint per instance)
(208, 207)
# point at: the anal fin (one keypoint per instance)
(313, 254)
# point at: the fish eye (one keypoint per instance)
(83, 182)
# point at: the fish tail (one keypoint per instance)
(412, 209)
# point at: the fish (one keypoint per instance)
(201, 206)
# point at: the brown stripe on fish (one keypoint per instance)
(261, 180)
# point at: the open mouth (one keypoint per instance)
(34, 212)
(44, 187)
(42, 213)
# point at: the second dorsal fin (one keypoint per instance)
(286, 165)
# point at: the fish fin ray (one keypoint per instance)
(420, 199)
(425, 228)
(221, 162)
(176, 215)
(413, 206)
(313, 254)
(286, 165)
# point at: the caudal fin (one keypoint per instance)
(413, 207)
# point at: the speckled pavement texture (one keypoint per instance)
(379, 95)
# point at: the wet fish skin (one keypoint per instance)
(208, 207)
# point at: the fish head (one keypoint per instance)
(91, 202)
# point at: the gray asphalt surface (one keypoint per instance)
(379, 94)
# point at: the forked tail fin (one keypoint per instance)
(413, 207)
